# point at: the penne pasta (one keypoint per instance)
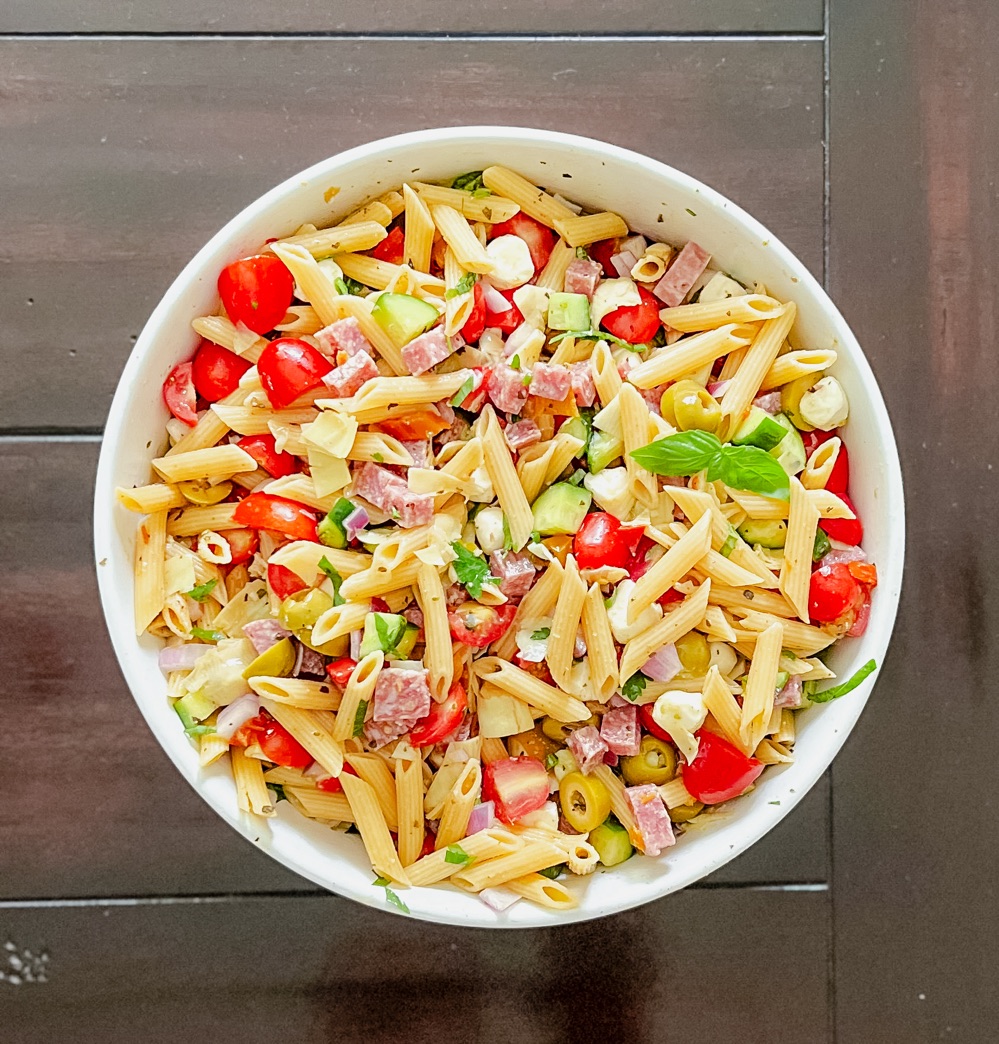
(532, 200)
(581, 231)
(749, 308)
(690, 353)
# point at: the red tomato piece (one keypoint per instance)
(720, 771)
(833, 593)
(839, 477)
(332, 784)
(603, 251)
(282, 748)
(179, 394)
(257, 291)
(429, 844)
(640, 565)
(480, 625)
(540, 239)
(392, 248)
(865, 572)
(266, 511)
(650, 724)
(283, 581)
(243, 544)
(476, 321)
(339, 671)
(442, 720)
(813, 439)
(671, 596)
(516, 786)
(217, 371)
(635, 324)
(288, 368)
(507, 321)
(602, 540)
(845, 530)
(413, 426)
(263, 449)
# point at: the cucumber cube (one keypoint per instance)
(568, 311)
(402, 316)
(561, 509)
(759, 429)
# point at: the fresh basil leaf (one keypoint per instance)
(634, 686)
(551, 872)
(202, 591)
(463, 286)
(279, 794)
(206, 635)
(472, 572)
(848, 686)
(362, 709)
(456, 854)
(821, 546)
(659, 340)
(381, 629)
(470, 182)
(685, 453)
(341, 509)
(752, 469)
(390, 896)
(346, 285)
(464, 391)
(335, 579)
(541, 634)
(597, 335)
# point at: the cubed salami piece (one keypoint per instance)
(344, 336)
(619, 730)
(653, 820)
(426, 351)
(550, 381)
(682, 274)
(505, 387)
(515, 571)
(587, 748)
(346, 379)
(582, 276)
(583, 386)
(380, 733)
(523, 433)
(392, 494)
(401, 696)
(419, 451)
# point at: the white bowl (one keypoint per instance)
(653, 198)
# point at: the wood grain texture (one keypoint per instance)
(121, 158)
(913, 264)
(330, 970)
(425, 16)
(103, 812)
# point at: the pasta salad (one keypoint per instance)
(499, 534)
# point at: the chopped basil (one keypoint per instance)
(821, 546)
(690, 212)
(206, 635)
(597, 335)
(335, 579)
(349, 286)
(634, 686)
(541, 634)
(848, 686)
(470, 182)
(464, 391)
(659, 340)
(472, 572)
(551, 872)
(362, 709)
(202, 591)
(279, 794)
(463, 286)
(456, 854)
(390, 896)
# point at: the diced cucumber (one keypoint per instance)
(603, 449)
(405, 644)
(770, 533)
(382, 632)
(194, 707)
(276, 662)
(759, 429)
(330, 529)
(402, 316)
(781, 680)
(568, 311)
(791, 451)
(581, 427)
(611, 841)
(561, 509)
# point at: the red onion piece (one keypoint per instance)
(355, 522)
(790, 695)
(718, 388)
(849, 554)
(483, 816)
(636, 245)
(769, 403)
(316, 771)
(236, 715)
(355, 644)
(444, 409)
(495, 301)
(860, 624)
(663, 665)
(181, 657)
(498, 899)
(623, 263)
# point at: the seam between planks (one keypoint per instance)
(414, 36)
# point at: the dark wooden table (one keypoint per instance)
(866, 135)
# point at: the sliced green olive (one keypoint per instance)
(655, 763)
(685, 813)
(276, 662)
(585, 801)
(667, 405)
(694, 653)
(204, 494)
(300, 611)
(697, 410)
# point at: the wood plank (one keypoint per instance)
(425, 16)
(336, 970)
(122, 157)
(913, 264)
(103, 813)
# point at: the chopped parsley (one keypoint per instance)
(456, 854)
(206, 635)
(541, 634)
(390, 896)
(634, 686)
(690, 212)
(463, 286)
(202, 591)
(472, 572)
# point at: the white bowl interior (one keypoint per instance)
(654, 199)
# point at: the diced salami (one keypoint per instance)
(445, 409)
(682, 274)
(309, 663)
(380, 733)
(388, 491)
(653, 820)
(458, 432)
(419, 451)
(587, 748)
(583, 387)
(455, 595)
(505, 387)
(581, 277)
(523, 433)
(515, 571)
(653, 399)
(550, 381)
(414, 616)
(346, 379)
(344, 336)
(401, 696)
(426, 351)
(790, 695)
(264, 633)
(619, 730)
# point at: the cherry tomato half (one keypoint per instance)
(413, 426)
(603, 541)
(217, 371)
(635, 324)
(603, 251)
(720, 771)
(282, 748)
(332, 784)
(479, 625)
(811, 440)
(243, 544)
(288, 368)
(392, 248)
(179, 394)
(845, 530)
(839, 477)
(516, 786)
(651, 726)
(833, 592)
(263, 449)
(507, 321)
(476, 321)
(339, 671)
(442, 720)
(284, 582)
(256, 291)
(266, 511)
(540, 239)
